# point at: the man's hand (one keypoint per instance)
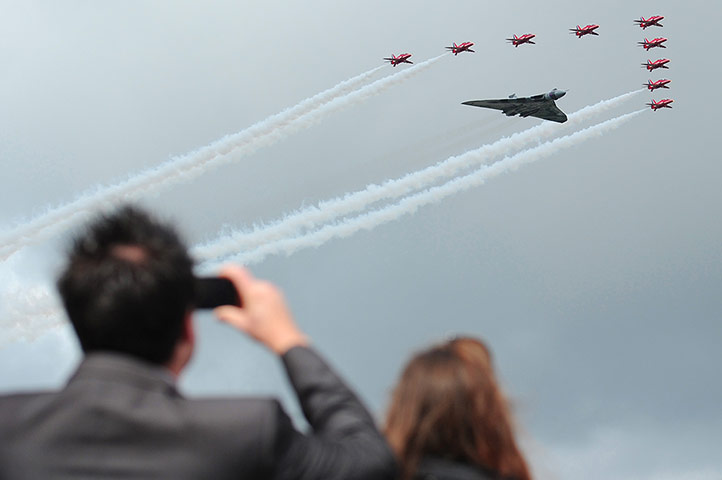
(264, 315)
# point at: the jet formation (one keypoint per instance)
(543, 105)
(654, 65)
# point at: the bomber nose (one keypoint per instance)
(557, 94)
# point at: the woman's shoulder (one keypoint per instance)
(432, 468)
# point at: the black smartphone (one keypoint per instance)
(212, 292)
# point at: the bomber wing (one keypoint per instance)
(535, 106)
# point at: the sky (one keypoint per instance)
(591, 266)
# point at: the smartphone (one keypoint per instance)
(212, 292)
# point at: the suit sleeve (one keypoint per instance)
(344, 442)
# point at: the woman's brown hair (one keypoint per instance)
(448, 404)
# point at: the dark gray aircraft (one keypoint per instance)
(540, 106)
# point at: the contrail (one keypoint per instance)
(313, 216)
(26, 311)
(65, 215)
(411, 203)
(37, 303)
(227, 149)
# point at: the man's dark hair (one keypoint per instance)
(128, 285)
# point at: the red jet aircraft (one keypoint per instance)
(653, 65)
(402, 58)
(652, 86)
(651, 21)
(526, 38)
(657, 42)
(464, 47)
(664, 103)
(581, 31)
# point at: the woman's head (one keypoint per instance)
(448, 404)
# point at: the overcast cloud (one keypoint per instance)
(594, 274)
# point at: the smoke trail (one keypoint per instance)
(25, 232)
(40, 304)
(37, 304)
(357, 201)
(26, 310)
(411, 203)
(227, 149)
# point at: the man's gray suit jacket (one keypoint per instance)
(120, 418)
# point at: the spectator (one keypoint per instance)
(128, 290)
(448, 419)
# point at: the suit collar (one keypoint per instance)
(115, 367)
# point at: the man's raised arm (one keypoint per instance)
(344, 443)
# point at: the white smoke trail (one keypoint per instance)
(353, 202)
(227, 149)
(27, 310)
(36, 310)
(39, 304)
(202, 155)
(411, 203)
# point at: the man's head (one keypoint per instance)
(128, 286)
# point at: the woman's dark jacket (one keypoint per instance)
(431, 468)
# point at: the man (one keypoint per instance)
(128, 290)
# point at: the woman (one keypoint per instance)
(449, 419)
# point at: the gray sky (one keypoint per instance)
(594, 274)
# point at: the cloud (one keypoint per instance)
(636, 452)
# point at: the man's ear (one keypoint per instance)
(183, 350)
